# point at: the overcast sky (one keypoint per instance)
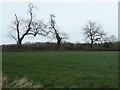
(70, 18)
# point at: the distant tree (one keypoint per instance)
(24, 27)
(113, 39)
(54, 32)
(110, 39)
(93, 32)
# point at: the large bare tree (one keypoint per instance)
(54, 33)
(24, 27)
(93, 32)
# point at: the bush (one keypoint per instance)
(64, 46)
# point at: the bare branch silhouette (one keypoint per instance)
(93, 32)
(54, 32)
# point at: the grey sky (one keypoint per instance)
(70, 18)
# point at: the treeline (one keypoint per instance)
(92, 33)
(64, 47)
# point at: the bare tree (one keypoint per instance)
(110, 39)
(24, 27)
(93, 32)
(54, 32)
(113, 39)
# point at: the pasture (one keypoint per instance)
(64, 69)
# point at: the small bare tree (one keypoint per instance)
(93, 32)
(54, 32)
(110, 39)
(113, 39)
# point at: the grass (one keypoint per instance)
(70, 69)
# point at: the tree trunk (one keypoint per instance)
(19, 45)
(91, 45)
(58, 43)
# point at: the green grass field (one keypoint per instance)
(72, 69)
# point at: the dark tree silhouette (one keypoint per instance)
(54, 32)
(93, 32)
(24, 27)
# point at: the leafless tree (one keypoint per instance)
(54, 32)
(24, 27)
(93, 32)
(110, 39)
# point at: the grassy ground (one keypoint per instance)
(63, 69)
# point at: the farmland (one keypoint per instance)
(72, 69)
